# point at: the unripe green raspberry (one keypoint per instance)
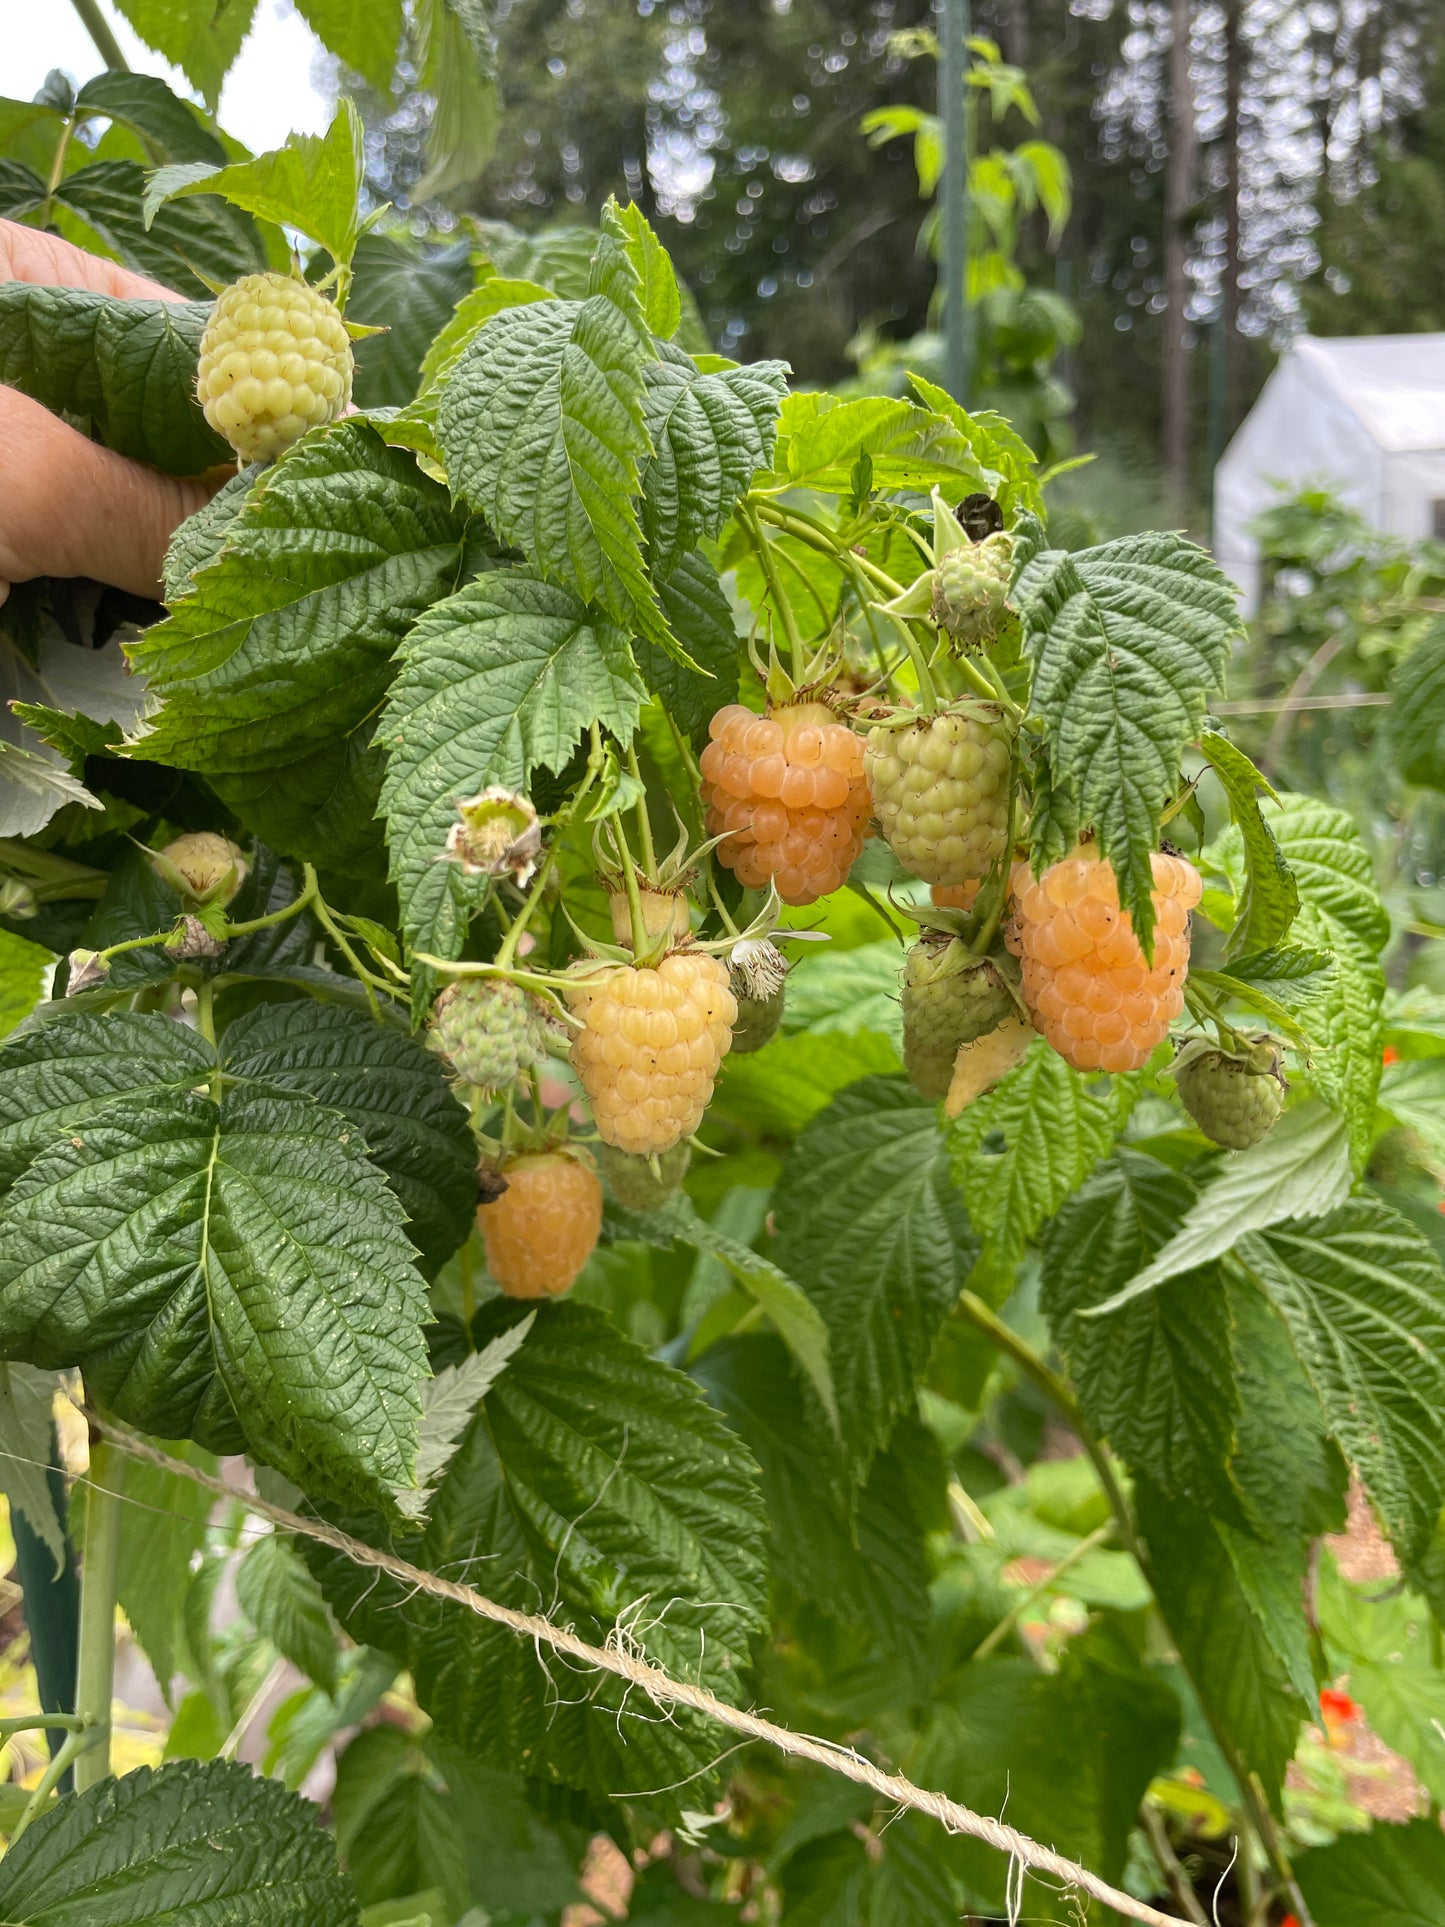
(970, 589)
(757, 973)
(1235, 1100)
(757, 1022)
(950, 997)
(489, 1029)
(275, 361)
(940, 790)
(633, 1181)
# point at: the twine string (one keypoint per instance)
(661, 1687)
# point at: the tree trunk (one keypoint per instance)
(1178, 197)
(1013, 33)
(1233, 89)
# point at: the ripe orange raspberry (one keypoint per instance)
(954, 896)
(541, 1230)
(650, 1046)
(790, 786)
(1085, 980)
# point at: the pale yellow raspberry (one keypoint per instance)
(650, 1046)
(275, 361)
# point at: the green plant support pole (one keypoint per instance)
(953, 112)
(52, 1605)
(95, 1670)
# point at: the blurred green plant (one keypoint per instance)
(1020, 331)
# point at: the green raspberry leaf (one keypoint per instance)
(1340, 915)
(598, 1485)
(1157, 1379)
(1020, 1150)
(470, 315)
(1270, 900)
(130, 366)
(499, 680)
(793, 1314)
(282, 1600)
(366, 38)
(542, 425)
(55, 1077)
(1197, 1570)
(171, 129)
(701, 617)
(1127, 642)
(821, 439)
(1415, 724)
(103, 202)
(656, 278)
(287, 639)
(871, 1227)
(27, 1402)
(1390, 1873)
(863, 1561)
(1301, 1169)
(202, 41)
(391, 1087)
(411, 292)
(204, 1841)
(459, 70)
(313, 183)
(167, 1516)
(220, 1272)
(1014, 479)
(201, 537)
(710, 435)
(1364, 1297)
(23, 968)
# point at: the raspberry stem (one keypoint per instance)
(563, 818)
(368, 980)
(927, 694)
(747, 515)
(644, 824)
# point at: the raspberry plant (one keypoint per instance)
(380, 1003)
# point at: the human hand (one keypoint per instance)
(68, 506)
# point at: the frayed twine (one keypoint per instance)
(619, 1659)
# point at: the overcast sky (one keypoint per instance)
(268, 93)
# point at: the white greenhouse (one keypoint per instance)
(1362, 414)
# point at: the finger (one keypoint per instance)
(28, 255)
(70, 507)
